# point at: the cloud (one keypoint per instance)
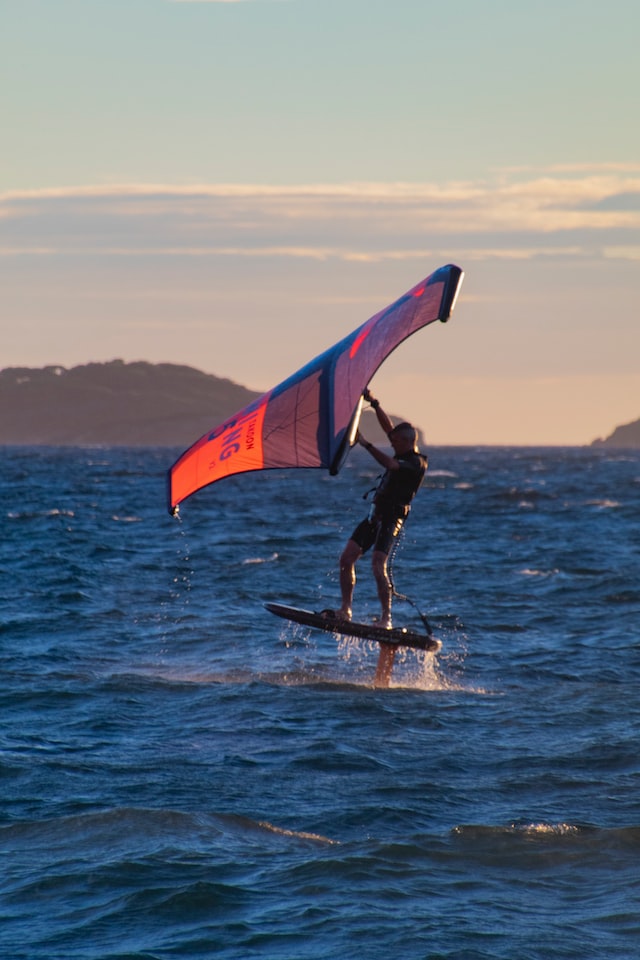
(565, 168)
(570, 213)
(622, 253)
(229, 1)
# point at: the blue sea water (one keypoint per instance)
(185, 776)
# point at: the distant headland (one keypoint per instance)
(119, 404)
(626, 436)
(114, 404)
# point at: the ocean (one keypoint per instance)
(184, 775)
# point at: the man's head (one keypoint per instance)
(403, 438)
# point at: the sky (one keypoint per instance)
(237, 184)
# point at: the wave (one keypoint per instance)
(131, 879)
(133, 832)
(559, 842)
(136, 831)
(38, 514)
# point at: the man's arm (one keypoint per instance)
(383, 419)
(389, 463)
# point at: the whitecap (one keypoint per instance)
(300, 834)
(274, 556)
(527, 572)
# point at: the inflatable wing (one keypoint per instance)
(311, 419)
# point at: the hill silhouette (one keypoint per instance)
(121, 404)
(626, 436)
(113, 404)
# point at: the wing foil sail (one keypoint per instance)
(311, 419)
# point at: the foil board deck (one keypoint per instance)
(397, 637)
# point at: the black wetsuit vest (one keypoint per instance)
(397, 488)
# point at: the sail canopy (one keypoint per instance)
(311, 419)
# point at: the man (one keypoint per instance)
(399, 484)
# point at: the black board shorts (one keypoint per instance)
(379, 533)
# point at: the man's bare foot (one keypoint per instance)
(384, 621)
(336, 614)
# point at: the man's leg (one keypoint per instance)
(348, 559)
(380, 572)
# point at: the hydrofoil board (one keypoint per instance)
(397, 637)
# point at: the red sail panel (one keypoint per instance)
(234, 447)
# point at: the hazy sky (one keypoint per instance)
(236, 184)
